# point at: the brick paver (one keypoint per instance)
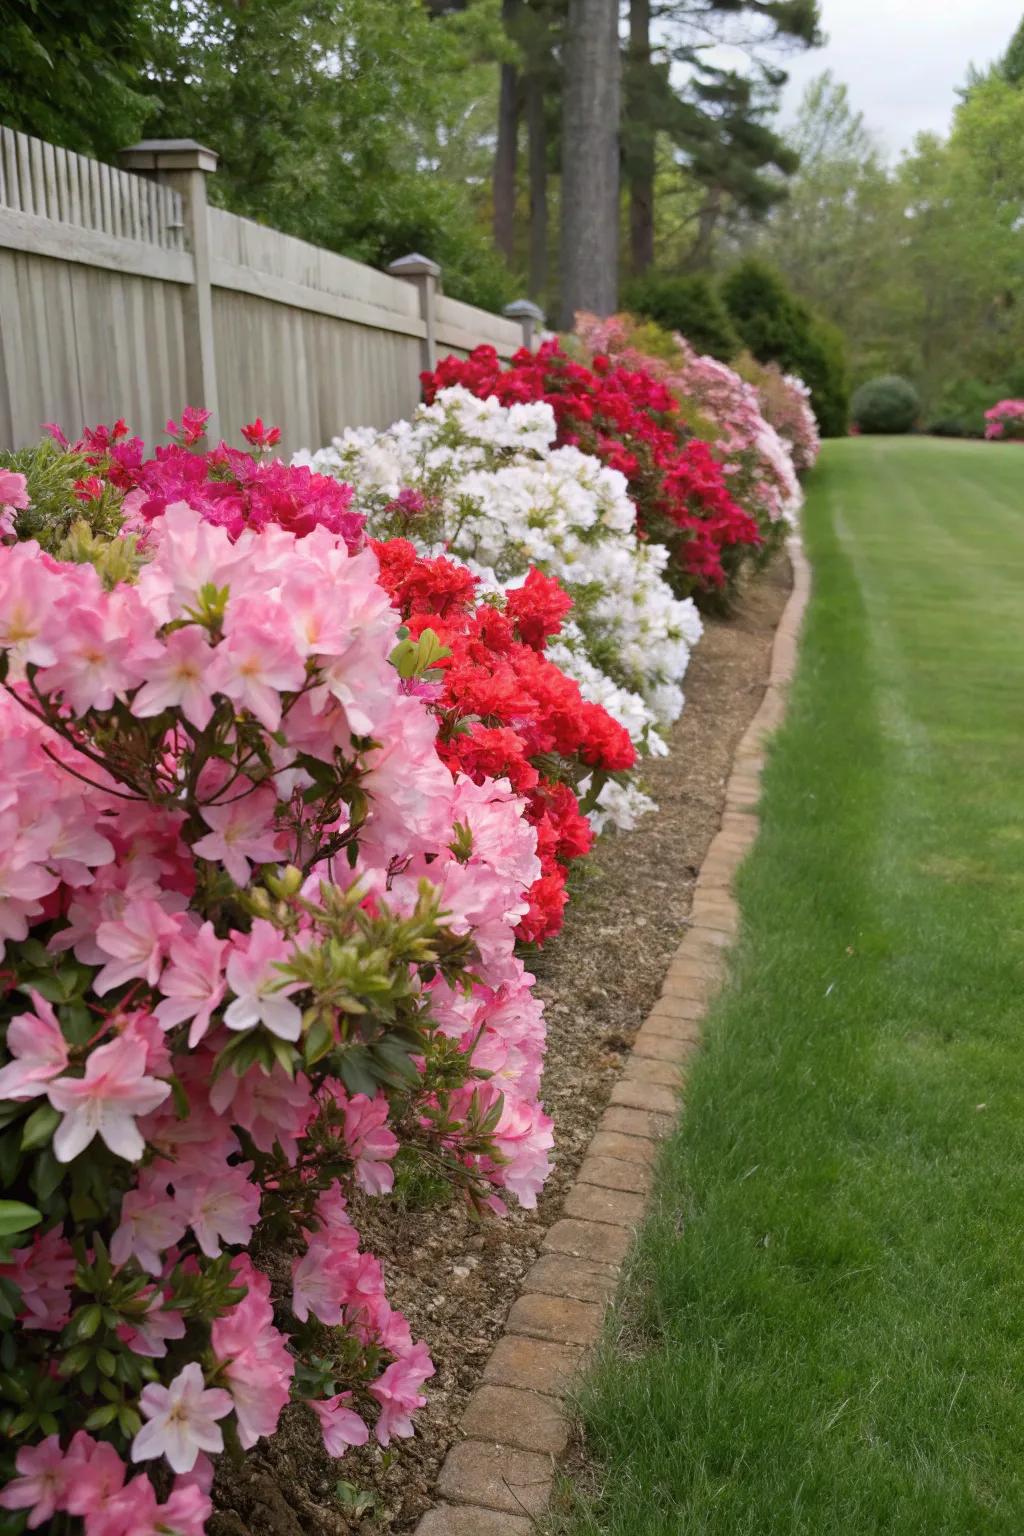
(497, 1476)
(649, 1045)
(561, 1319)
(536, 1364)
(653, 1096)
(596, 1240)
(614, 1173)
(471, 1520)
(630, 1149)
(590, 1202)
(635, 1122)
(512, 1416)
(558, 1274)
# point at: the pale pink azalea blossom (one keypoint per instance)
(99, 660)
(320, 626)
(182, 1419)
(77, 848)
(397, 1392)
(106, 1102)
(322, 1279)
(242, 829)
(150, 1333)
(272, 1107)
(135, 945)
(151, 1222)
(43, 1273)
(94, 1472)
(261, 993)
(178, 679)
(29, 606)
(340, 1426)
(254, 665)
(41, 1484)
(370, 1142)
(37, 1042)
(186, 1511)
(145, 1028)
(13, 498)
(253, 1355)
(192, 985)
(132, 1511)
(23, 880)
(201, 1476)
(135, 1511)
(221, 1206)
(190, 554)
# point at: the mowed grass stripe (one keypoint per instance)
(823, 1329)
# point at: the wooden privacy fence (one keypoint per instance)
(125, 293)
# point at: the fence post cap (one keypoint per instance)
(414, 265)
(168, 155)
(524, 309)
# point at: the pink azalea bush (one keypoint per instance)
(758, 466)
(785, 403)
(1004, 422)
(256, 939)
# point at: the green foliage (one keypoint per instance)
(1012, 66)
(71, 71)
(886, 405)
(960, 410)
(920, 264)
(689, 304)
(772, 323)
(343, 123)
(54, 510)
(823, 368)
(778, 327)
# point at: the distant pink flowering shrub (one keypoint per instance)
(1005, 421)
(256, 939)
(785, 402)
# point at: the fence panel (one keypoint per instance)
(104, 308)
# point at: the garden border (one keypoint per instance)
(497, 1480)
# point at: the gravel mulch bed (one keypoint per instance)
(454, 1278)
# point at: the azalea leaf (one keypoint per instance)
(15, 1216)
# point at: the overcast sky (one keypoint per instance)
(902, 59)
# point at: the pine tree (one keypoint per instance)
(716, 119)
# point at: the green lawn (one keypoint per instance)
(823, 1327)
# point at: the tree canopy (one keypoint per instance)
(921, 262)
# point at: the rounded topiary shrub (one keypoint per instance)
(888, 404)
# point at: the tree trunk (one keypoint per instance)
(506, 152)
(699, 257)
(640, 163)
(590, 160)
(536, 124)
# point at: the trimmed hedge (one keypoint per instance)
(886, 405)
(778, 327)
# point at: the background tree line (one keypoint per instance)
(475, 130)
(920, 263)
(587, 152)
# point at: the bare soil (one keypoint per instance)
(453, 1278)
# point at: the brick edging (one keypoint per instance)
(497, 1480)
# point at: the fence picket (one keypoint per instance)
(9, 145)
(27, 202)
